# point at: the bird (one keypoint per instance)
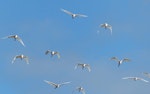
(73, 15)
(15, 37)
(146, 74)
(120, 61)
(106, 26)
(83, 65)
(80, 89)
(136, 78)
(56, 85)
(21, 57)
(53, 53)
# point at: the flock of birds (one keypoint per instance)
(82, 65)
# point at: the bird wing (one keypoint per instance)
(26, 59)
(81, 15)
(65, 83)
(14, 59)
(146, 74)
(143, 80)
(79, 64)
(48, 51)
(128, 78)
(83, 91)
(115, 58)
(66, 11)
(88, 67)
(125, 60)
(58, 55)
(20, 40)
(50, 83)
(110, 28)
(17, 56)
(10, 36)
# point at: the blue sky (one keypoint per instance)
(42, 25)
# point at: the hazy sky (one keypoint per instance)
(42, 26)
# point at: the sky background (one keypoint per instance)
(42, 26)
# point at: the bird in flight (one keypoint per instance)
(56, 85)
(120, 61)
(107, 26)
(73, 15)
(15, 37)
(83, 66)
(136, 78)
(80, 89)
(52, 53)
(21, 57)
(146, 74)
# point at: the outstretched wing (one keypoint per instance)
(77, 65)
(128, 78)
(126, 60)
(66, 11)
(146, 74)
(26, 59)
(20, 40)
(102, 25)
(10, 36)
(65, 83)
(144, 80)
(50, 83)
(110, 28)
(115, 58)
(47, 52)
(88, 67)
(14, 59)
(81, 15)
(58, 54)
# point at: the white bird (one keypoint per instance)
(107, 26)
(120, 61)
(53, 53)
(21, 57)
(73, 14)
(56, 85)
(146, 74)
(80, 89)
(16, 37)
(83, 66)
(136, 78)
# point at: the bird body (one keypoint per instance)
(21, 57)
(106, 26)
(135, 79)
(15, 37)
(80, 89)
(73, 15)
(56, 85)
(120, 61)
(82, 65)
(53, 53)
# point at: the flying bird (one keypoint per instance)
(53, 53)
(146, 74)
(21, 57)
(15, 37)
(120, 61)
(73, 15)
(80, 89)
(136, 78)
(83, 66)
(107, 26)
(56, 85)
